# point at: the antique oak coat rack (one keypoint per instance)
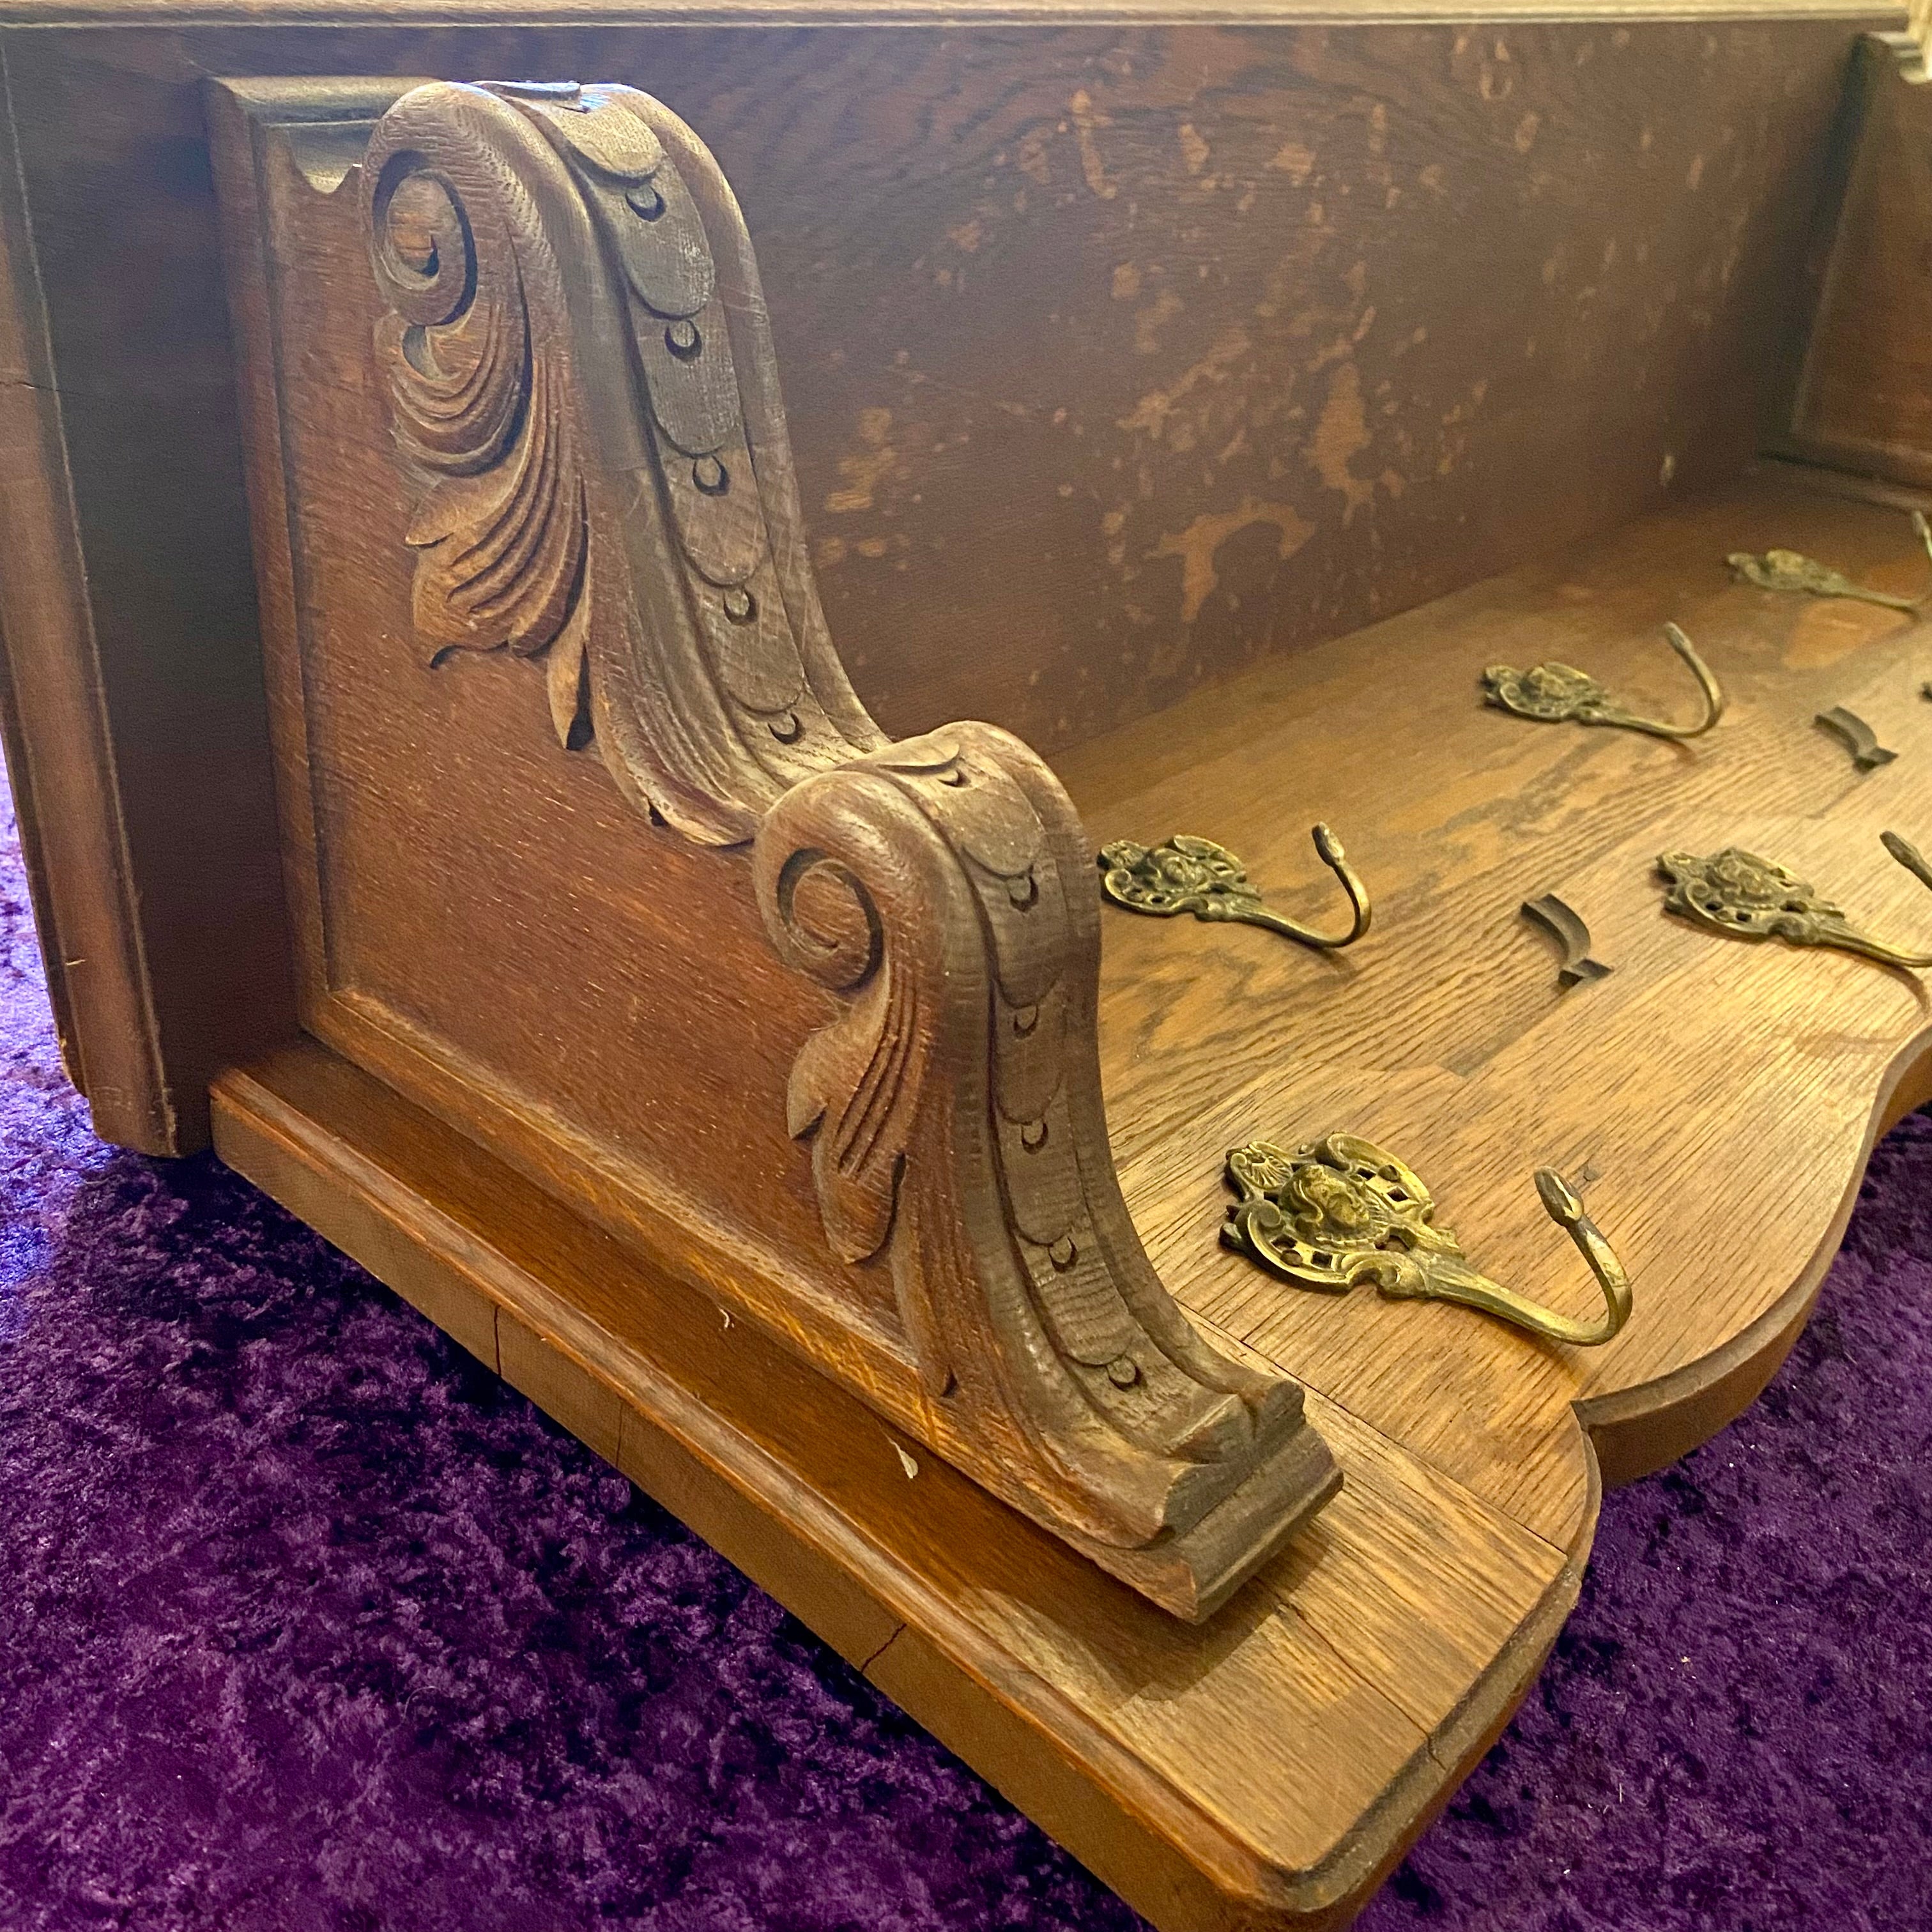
(489, 763)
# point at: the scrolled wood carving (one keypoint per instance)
(603, 492)
(583, 384)
(944, 889)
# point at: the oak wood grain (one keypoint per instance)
(1667, 1087)
(1435, 1579)
(985, 249)
(393, 977)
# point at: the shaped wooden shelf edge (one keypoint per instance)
(1636, 1430)
(582, 381)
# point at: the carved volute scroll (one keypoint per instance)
(604, 491)
(944, 888)
(584, 390)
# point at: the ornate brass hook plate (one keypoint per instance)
(1738, 893)
(1786, 570)
(1189, 875)
(1559, 694)
(1340, 1210)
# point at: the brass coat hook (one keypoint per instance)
(1338, 1211)
(1559, 694)
(1786, 570)
(1190, 874)
(1738, 893)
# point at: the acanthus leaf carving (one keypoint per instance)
(562, 368)
(941, 888)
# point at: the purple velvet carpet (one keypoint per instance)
(308, 1622)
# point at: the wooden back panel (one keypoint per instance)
(1116, 355)
(1861, 390)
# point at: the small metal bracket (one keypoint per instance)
(1565, 925)
(1857, 736)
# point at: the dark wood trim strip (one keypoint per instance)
(60, 754)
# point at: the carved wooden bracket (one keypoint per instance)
(584, 383)
(944, 887)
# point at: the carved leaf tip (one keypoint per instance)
(567, 681)
(806, 1098)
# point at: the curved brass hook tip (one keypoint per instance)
(1328, 850)
(1909, 856)
(1707, 683)
(1559, 1200)
(1560, 1204)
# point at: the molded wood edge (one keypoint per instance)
(100, 14)
(1845, 389)
(1636, 1432)
(59, 752)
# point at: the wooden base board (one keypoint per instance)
(1239, 1776)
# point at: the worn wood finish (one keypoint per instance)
(599, 1192)
(1264, 1771)
(931, 911)
(57, 14)
(1861, 394)
(927, 135)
